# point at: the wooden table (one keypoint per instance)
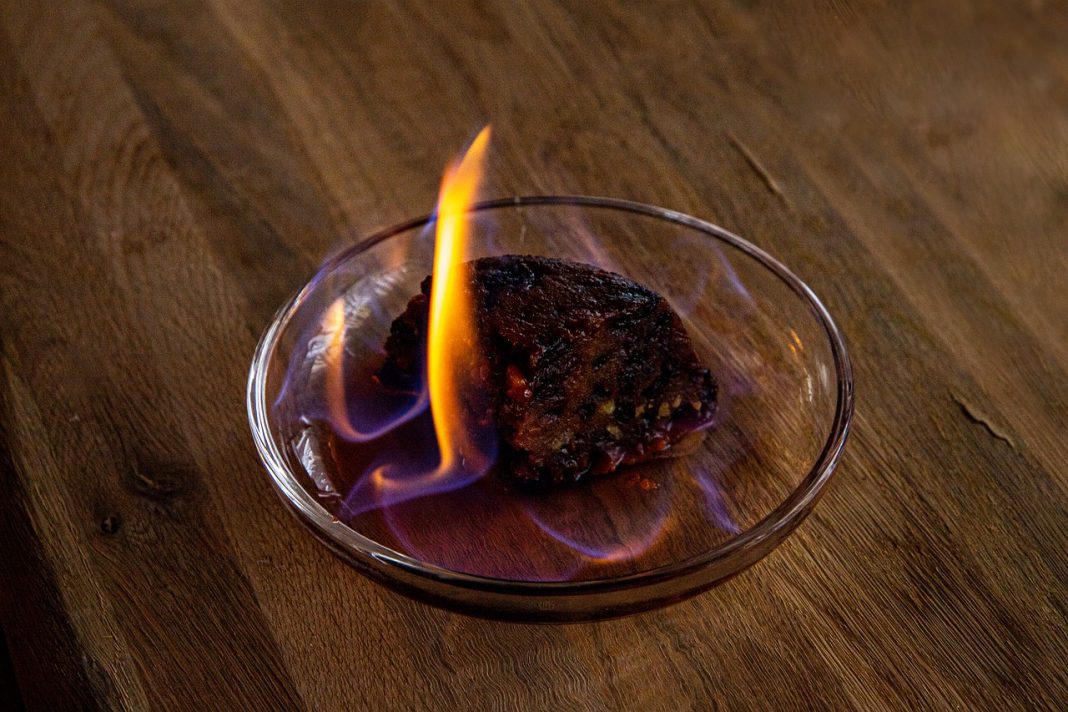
(171, 171)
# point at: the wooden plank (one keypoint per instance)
(173, 170)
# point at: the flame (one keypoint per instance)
(464, 449)
(451, 334)
(716, 505)
(404, 468)
(334, 330)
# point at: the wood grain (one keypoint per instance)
(171, 171)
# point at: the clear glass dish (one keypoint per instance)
(645, 537)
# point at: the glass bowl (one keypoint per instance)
(644, 537)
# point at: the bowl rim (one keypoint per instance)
(776, 524)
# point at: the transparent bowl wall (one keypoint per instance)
(650, 535)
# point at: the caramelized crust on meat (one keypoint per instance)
(584, 370)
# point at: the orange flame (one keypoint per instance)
(333, 328)
(451, 343)
(451, 334)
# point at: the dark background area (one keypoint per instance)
(9, 691)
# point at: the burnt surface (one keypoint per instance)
(586, 370)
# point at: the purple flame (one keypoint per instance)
(715, 503)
